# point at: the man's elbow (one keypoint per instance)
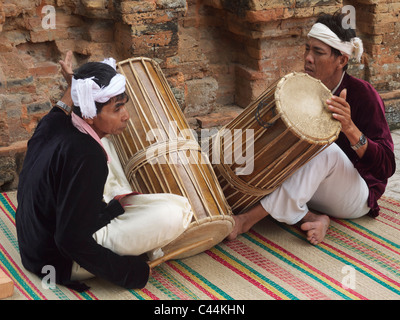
(68, 243)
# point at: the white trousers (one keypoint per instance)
(328, 183)
(80, 274)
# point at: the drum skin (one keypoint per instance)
(160, 154)
(290, 124)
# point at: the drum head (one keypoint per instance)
(301, 101)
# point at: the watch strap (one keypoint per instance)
(67, 109)
(362, 141)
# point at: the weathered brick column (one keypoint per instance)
(30, 48)
(271, 36)
(218, 55)
(378, 22)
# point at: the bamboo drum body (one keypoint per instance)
(160, 154)
(290, 124)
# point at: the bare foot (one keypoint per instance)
(244, 222)
(238, 229)
(316, 226)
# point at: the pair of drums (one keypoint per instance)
(289, 125)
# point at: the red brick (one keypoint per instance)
(44, 69)
(43, 35)
(217, 119)
(269, 15)
(137, 6)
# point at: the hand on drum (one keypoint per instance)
(341, 111)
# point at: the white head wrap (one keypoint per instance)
(354, 47)
(85, 92)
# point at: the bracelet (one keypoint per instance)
(64, 107)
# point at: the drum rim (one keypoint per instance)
(289, 123)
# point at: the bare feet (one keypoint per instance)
(238, 228)
(244, 222)
(316, 226)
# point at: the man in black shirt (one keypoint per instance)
(60, 192)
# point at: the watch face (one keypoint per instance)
(363, 140)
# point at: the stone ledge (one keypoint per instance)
(220, 117)
(391, 95)
(11, 160)
(13, 149)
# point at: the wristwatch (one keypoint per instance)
(67, 109)
(360, 142)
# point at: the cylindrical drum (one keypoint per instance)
(160, 154)
(273, 137)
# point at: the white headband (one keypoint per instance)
(354, 47)
(85, 92)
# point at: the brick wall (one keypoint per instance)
(218, 55)
(378, 23)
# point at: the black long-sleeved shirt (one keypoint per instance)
(60, 206)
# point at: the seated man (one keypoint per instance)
(347, 178)
(60, 192)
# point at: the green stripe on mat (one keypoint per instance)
(343, 260)
(296, 266)
(172, 282)
(207, 282)
(30, 293)
(373, 253)
(373, 234)
(365, 253)
(6, 204)
(256, 273)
